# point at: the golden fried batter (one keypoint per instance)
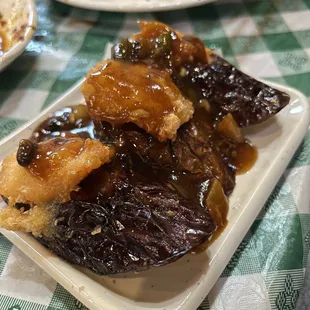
(35, 220)
(59, 165)
(119, 92)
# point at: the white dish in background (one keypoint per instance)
(18, 21)
(135, 5)
(183, 284)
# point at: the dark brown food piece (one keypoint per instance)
(22, 206)
(139, 226)
(198, 154)
(25, 152)
(18, 205)
(71, 121)
(229, 90)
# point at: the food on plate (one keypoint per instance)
(140, 225)
(141, 174)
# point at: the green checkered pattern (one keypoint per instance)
(267, 39)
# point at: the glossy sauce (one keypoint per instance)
(75, 122)
(165, 46)
(128, 88)
(246, 157)
(202, 75)
(68, 122)
(49, 155)
(68, 125)
(119, 92)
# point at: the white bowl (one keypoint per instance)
(18, 23)
(135, 5)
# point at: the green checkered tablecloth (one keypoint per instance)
(268, 39)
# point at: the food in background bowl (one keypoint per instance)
(17, 25)
(4, 43)
(141, 174)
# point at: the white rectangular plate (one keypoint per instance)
(185, 283)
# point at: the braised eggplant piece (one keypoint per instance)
(229, 90)
(147, 180)
(139, 226)
(199, 151)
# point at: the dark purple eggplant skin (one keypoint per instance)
(228, 90)
(147, 207)
(198, 151)
(140, 226)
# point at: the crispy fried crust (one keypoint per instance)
(119, 93)
(70, 162)
(21, 184)
(35, 220)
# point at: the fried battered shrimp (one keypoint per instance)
(119, 92)
(58, 166)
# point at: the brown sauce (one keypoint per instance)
(68, 122)
(130, 143)
(202, 247)
(218, 206)
(117, 83)
(246, 158)
(50, 155)
(4, 42)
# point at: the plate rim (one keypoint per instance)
(113, 6)
(31, 248)
(17, 49)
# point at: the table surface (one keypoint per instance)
(268, 39)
